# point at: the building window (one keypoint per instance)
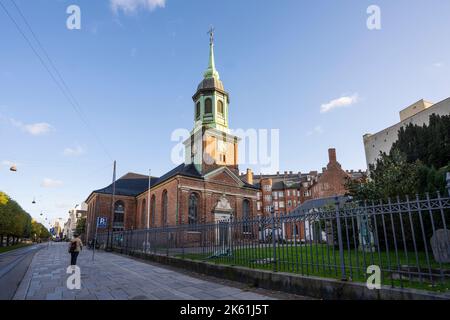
(164, 208)
(289, 203)
(281, 204)
(220, 107)
(193, 209)
(275, 195)
(268, 198)
(119, 216)
(208, 106)
(258, 206)
(258, 194)
(267, 187)
(143, 214)
(246, 215)
(197, 111)
(281, 194)
(153, 210)
(288, 193)
(275, 205)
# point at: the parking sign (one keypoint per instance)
(101, 222)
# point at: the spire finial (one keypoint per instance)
(211, 72)
(211, 34)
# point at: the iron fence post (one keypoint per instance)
(448, 183)
(339, 234)
(274, 244)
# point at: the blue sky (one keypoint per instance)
(134, 72)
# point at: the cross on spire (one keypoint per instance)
(211, 34)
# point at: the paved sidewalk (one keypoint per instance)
(112, 277)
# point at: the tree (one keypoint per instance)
(15, 223)
(428, 143)
(81, 225)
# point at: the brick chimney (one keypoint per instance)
(332, 155)
(249, 176)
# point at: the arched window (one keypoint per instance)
(295, 231)
(208, 106)
(220, 107)
(153, 211)
(119, 215)
(197, 111)
(164, 208)
(193, 209)
(144, 214)
(246, 215)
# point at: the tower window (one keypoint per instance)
(220, 107)
(197, 111)
(208, 106)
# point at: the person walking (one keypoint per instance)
(75, 247)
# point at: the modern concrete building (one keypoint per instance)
(418, 113)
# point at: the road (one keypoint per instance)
(13, 266)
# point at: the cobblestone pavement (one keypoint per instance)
(116, 277)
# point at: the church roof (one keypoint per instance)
(130, 184)
(183, 169)
(133, 184)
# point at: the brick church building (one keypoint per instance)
(206, 188)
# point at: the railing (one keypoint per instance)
(408, 240)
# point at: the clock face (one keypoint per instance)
(222, 146)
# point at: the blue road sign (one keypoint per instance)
(101, 222)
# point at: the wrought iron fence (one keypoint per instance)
(407, 239)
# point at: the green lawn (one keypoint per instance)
(324, 261)
(16, 246)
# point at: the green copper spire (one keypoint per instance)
(211, 72)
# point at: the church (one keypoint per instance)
(204, 189)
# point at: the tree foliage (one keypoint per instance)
(416, 164)
(14, 221)
(81, 225)
(428, 143)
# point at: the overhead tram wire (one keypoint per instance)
(64, 87)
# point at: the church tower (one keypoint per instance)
(211, 145)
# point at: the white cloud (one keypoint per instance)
(344, 101)
(316, 130)
(438, 64)
(131, 6)
(34, 129)
(77, 151)
(50, 183)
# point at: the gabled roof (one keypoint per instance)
(130, 184)
(319, 203)
(183, 170)
(133, 184)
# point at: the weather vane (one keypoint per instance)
(211, 34)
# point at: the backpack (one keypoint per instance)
(73, 246)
